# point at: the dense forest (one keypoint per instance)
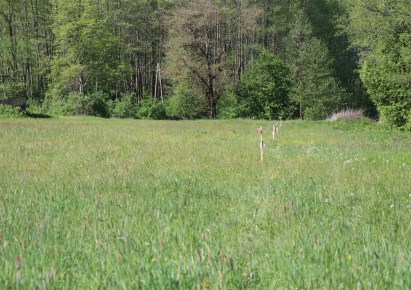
(209, 58)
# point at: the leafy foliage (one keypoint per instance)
(7, 111)
(381, 32)
(314, 86)
(86, 49)
(196, 52)
(229, 106)
(124, 107)
(187, 102)
(151, 108)
(12, 90)
(388, 79)
(79, 104)
(50, 49)
(264, 89)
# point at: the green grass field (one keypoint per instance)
(87, 203)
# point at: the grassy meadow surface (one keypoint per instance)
(87, 203)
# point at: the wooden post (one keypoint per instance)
(281, 121)
(273, 132)
(260, 131)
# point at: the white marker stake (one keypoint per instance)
(260, 131)
(273, 132)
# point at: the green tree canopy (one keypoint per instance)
(381, 31)
(264, 89)
(86, 49)
(196, 51)
(314, 86)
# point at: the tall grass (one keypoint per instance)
(87, 203)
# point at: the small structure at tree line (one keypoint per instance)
(15, 102)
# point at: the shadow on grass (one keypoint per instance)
(37, 116)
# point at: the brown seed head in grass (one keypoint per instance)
(18, 263)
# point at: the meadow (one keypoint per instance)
(89, 203)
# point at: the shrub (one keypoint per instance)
(229, 106)
(95, 104)
(315, 112)
(124, 107)
(407, 126)
(150, 108)
(12, 90)
(35, 106)
(187, 102)
(396, 115)
(387, 78)
(264, 89)
(7, 111)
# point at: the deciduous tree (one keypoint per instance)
(381, 32)
(86, 49)
(196, 49)
(314, 87)
(264, 89)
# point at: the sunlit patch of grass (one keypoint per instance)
(93, 203)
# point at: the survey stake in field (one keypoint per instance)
(275, 129)
(262, 145)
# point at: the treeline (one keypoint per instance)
(208, 58)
